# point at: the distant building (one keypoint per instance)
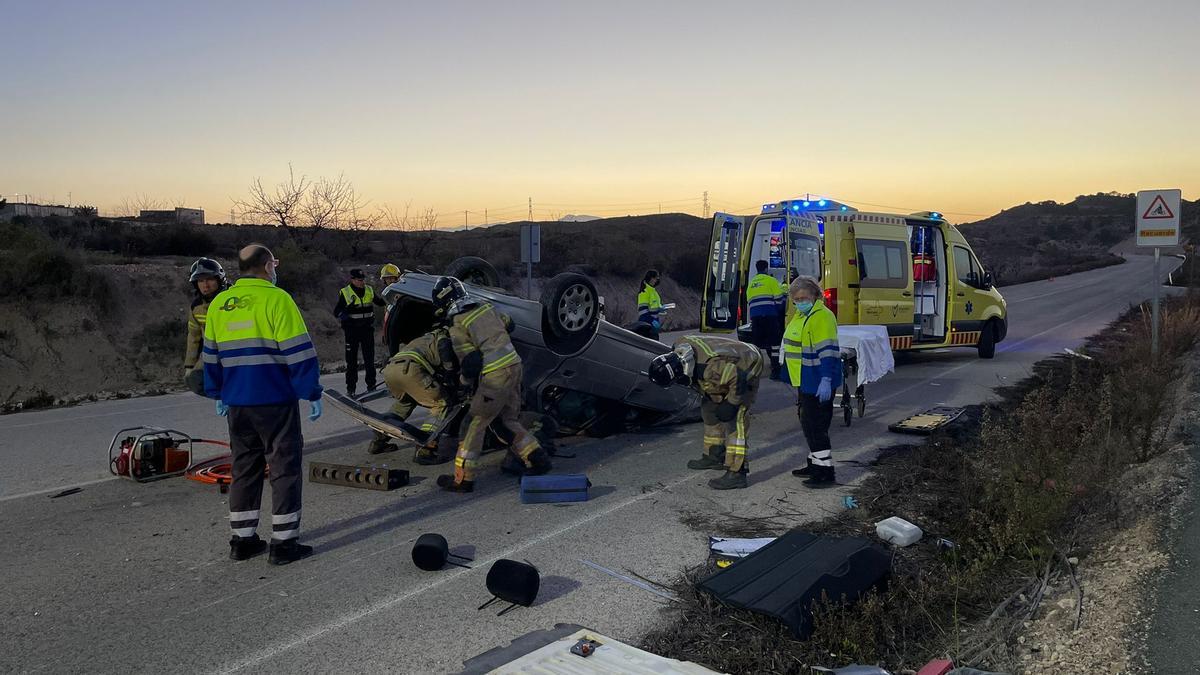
(10, 211)
(178, 215)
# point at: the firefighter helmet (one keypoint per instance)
(667, 369)
(207, 267)
(447, 292)
(389, 270)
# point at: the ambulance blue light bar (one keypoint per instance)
(799, 205)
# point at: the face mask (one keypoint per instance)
(803, 306)
(274, 277)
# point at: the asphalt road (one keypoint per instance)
(134, 578)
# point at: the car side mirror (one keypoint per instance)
(987, 280)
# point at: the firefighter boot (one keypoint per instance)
(821, 477)
(446, 482)
(713, 459)
(539, 463)
(512, 465)
(427, 456)
(288, 551)
(380, 444)
(245, 548)
(776, 370)
(732, 480)
(805, 472)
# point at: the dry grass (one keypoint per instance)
(1010, 487)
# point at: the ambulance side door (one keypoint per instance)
(723, 283)
(885, 292)
(970, 295)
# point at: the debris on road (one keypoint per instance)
(898, 531)
(550, 489)
(563, 654)
(737, 548)
(516, 583)
(630, 580)
(66, 493)
(784, 578)
(925, 423)
(349, 475)
(431, 553)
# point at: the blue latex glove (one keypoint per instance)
(222, 409)
(315, 409)
(657, 325)
(825, 390)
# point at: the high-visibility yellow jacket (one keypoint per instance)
(649, 304)
(810, 349)
(257, 350)
(354, 310)
(723, 365)
(481, 330)
(195, 332)
(765, 296)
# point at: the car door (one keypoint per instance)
(723, 285)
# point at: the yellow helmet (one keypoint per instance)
(389, 270)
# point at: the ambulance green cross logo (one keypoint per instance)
(970, 308)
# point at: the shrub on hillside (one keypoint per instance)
(35, 269)
(303, 271)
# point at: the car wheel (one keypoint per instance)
(987, 341)
(571, 306)
(472, 270)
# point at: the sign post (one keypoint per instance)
(1157, 225)
(531, 252)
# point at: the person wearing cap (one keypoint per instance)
(356, 310)
(207, 279)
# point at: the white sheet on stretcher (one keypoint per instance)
(874, 351)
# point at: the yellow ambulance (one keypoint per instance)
(914, 274)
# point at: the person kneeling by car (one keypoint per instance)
(726, 372)
(422, 373)
(488, 361)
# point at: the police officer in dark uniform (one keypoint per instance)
(356, 310)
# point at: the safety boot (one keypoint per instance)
(732, 480)
(821, 477)
(245, 548)
(426, 456)
(805, 472)
(288, 551)
(446, 482)
(380, 445)
(539, 463)
(713, 459)
(513, 465)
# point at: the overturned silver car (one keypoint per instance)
(586, 374)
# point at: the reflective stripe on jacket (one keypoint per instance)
(257, 350)
(810, 349)
(423, 351)
(195, 332)
(649, 304)
(358, 310)
(723, 365)
(481, 329)
(765, 296)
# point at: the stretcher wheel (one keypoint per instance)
(846, 413)
(862, 407)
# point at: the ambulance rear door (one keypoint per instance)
(722, 300)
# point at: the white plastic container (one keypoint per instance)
(898, 531)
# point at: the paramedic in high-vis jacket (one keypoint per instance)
(766, 302)
(814, 363)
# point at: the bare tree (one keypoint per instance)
(132, 207)
(282, 207)
(419, 229)
(331, 203)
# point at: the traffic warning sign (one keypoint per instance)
(1158, 217)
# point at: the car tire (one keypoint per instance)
(571, 306)
(987, 341)
(472, 270)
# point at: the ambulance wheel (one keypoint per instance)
(472, 270)
(571, 306)
(987, 341)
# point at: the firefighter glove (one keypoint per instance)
(726, 411)
(825, 390)
(222, 409)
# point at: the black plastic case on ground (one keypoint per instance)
(783, 578)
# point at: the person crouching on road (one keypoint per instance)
(356, 310)
(810, 347)
(208, 278)
(766, 302)
(259, 361)
(488, 361)
(650, 304)
(420, 374)
(726, 372)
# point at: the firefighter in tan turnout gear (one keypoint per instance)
(726, 372)
(488, 361)
(208, 278)
(421, 373)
